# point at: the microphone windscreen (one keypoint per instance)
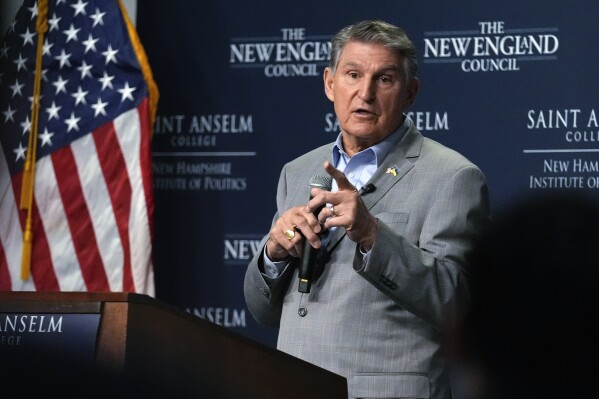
(324, 182)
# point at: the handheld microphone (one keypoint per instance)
(306, 268)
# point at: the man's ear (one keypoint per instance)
(328, 83)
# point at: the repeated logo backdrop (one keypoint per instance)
(512, 87)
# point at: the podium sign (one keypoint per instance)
(73, 335)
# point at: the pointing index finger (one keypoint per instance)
(342, 182)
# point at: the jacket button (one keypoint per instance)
(302, 311)
(265, 292)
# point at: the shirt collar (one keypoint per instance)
(380, 149)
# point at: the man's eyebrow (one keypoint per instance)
(352, 64)
(391, 67)
(386, 68)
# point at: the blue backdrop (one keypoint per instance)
(512, 87)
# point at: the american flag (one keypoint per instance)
(92, 204)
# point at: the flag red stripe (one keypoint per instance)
(5, 282)
(119, 187)
(145, 159)
(42, 271)
(80, 223)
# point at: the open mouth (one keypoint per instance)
(363, 112)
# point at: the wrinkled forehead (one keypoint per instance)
(353, 52)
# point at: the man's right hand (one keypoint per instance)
(287, 234)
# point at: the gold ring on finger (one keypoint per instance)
(289, 234)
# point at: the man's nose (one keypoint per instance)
(367, 90)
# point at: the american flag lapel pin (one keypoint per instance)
(392, 171)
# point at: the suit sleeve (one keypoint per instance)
(264, 295)
(428, 278)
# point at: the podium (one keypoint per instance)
(133, 339)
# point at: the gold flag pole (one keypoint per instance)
(26, 202)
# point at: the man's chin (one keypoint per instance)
(365, 130)
(362, 138)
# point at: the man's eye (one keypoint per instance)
(386, 79)
(352, 77)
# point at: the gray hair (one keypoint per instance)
(376, 31)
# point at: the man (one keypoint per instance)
(395, 248)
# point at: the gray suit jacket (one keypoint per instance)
(379, 323)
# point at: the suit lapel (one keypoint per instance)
(393, 168)
(311, 167)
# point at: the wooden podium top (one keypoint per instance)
(147, 340)
(70, 302)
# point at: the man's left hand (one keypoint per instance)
(347, 209)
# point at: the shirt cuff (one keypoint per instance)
(365, 256)
(273, 269)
